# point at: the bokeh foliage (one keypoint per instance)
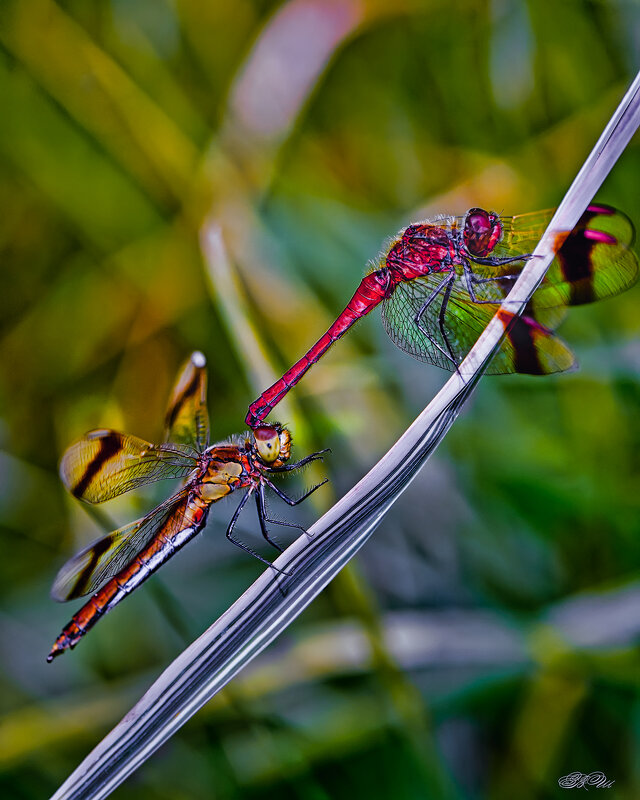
(482, 647)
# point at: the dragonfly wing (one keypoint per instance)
(187, 419)
(95, 564)
(528, 347)
(399, 321)
(104, 464)
(594, 261)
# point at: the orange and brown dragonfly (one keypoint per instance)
(104, 463)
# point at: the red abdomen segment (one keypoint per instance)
(371, 292)
(163, 545)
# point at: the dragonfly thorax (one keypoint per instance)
(422, 249)
(221, 476)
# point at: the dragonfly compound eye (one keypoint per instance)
(482, 231)
(285, 444)
(267, 442)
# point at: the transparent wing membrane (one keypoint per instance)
(93, 566)
(187, 418)
(529, 347)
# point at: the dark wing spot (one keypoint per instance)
(188, 392)
(110, 446)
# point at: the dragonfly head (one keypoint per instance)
(272, 443)
(482, 231)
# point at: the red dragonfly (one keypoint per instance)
(441, 281)
(105, 463)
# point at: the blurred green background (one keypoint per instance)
(177, 174)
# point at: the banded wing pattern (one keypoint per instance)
(187, 418)
(95, 564)
(593, 262)
(104, 464)
(529, 347)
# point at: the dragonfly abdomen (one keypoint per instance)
(373, 289)
(164, 544)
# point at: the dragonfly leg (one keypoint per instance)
(262, 513)
(289, 500)
(441, 315)
(441, 322)
(445, 285)
(496, 261)
(471, 279)
(262, 516)
(239, 544)
(477, 280)
(297, 464)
